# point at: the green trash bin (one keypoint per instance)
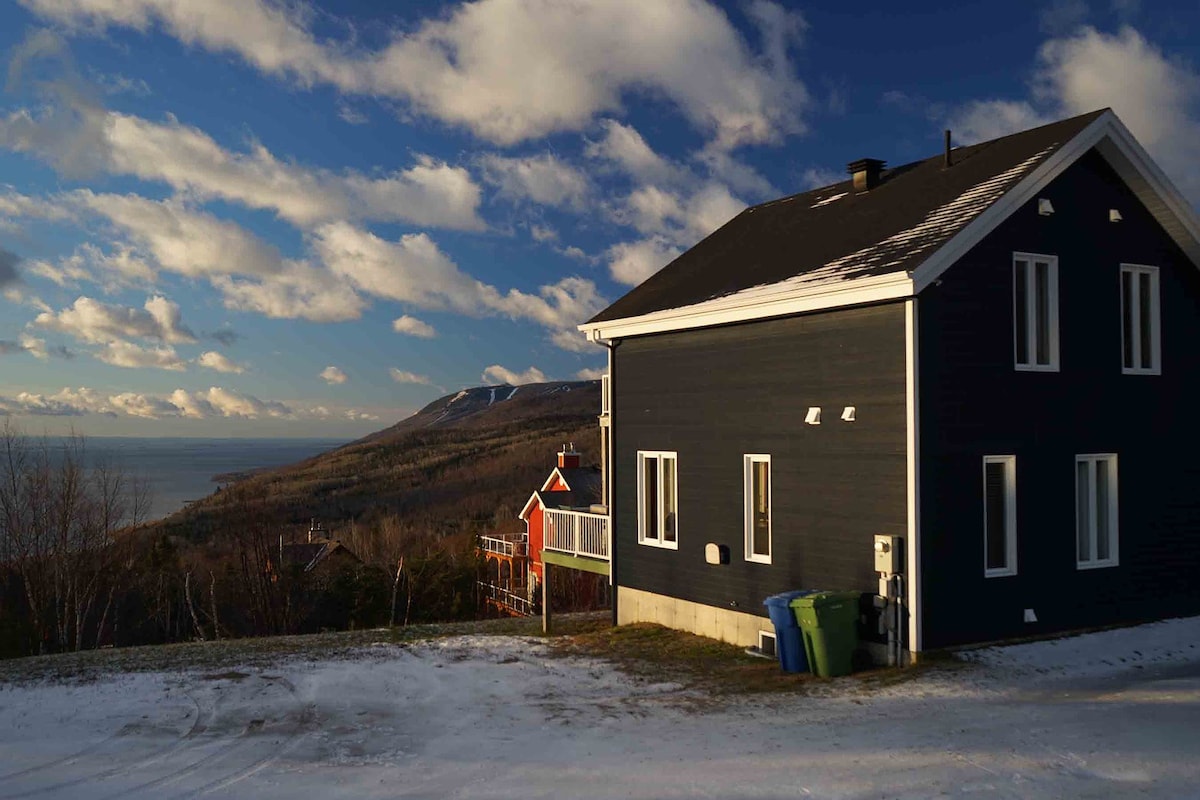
(829, 629)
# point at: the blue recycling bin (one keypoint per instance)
(788, 644)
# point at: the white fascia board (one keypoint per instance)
(775, 301)
(1118, 146)
(525, 511)
(550, 481)
(945, 256)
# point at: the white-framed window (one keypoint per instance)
(658, 499)
(756, 478)
(1096, 510)
(999, 516)
(1141, 348)
(1035, 312)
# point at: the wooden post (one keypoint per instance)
(546, 599)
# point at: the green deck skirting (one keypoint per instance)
(575, 562)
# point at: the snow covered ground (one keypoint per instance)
(1109, 715)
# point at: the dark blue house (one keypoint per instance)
(990, 355)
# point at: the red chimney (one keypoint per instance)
(568, 458)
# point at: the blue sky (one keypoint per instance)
(245, 217)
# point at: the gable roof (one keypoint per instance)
(833, 247)
(584, 485)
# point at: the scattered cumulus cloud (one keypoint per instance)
(412, 326)
(94, 322)
(119, 353)
(632, 262)
(333, 375)
(220, 363)
(404, 376)
(462, 69)
(591, 374)
(544, 179)
(1156, 96)
(499, 374)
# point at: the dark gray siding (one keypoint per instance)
(713, 395)
(973, 403)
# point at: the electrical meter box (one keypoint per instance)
(889, 554)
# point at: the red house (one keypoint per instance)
(565, 524)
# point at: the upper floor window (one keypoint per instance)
(1140, 345)
(756, 470)
(1035, 312)
(658, 512)
(1096, 511)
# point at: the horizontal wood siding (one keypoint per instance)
(973, 403)
(713, 395)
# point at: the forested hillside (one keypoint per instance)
(464, 461)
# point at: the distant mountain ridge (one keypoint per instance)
(466, 460)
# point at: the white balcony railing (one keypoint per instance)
(504, 597)
(576, 533)
(513, 546)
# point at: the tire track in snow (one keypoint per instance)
(198, 726)
(301, 716)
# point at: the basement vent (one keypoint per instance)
(766, 643)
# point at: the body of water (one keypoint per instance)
(180, 469)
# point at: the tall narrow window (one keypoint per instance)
(999, 515)
(658, 515)
(1096, 511)
(756, 472)
(1035, 312)
(1140, 344)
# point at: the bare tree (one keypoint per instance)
(59, 522)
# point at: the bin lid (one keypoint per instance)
(784, 599)
(821, 599)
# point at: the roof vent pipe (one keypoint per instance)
(866, 172)
(947, 162)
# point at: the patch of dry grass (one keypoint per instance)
(652, 652)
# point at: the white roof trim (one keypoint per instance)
(775, 300)
(550, 481)
(1106, 133)
(533, 498)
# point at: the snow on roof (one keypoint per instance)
(836, 234)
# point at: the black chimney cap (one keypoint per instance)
(866, 165)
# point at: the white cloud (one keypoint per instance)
(180, 239)
(591, 374)
(632, 262)
(414, 270)
(120, 353)
(403, 376)
(543, 233)
(94, 322)
(622, 145)
(545, 179)
(215, 402)
(429, 193)
(219, 362)
(39, 349)
(1156, 95)
(981, 120)
(820, 177)
(498, 374)
(511, 70)
(73, 129)
(299, 291)
(681, 219)
(143, 406)
(332, 375)
(413, 327)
